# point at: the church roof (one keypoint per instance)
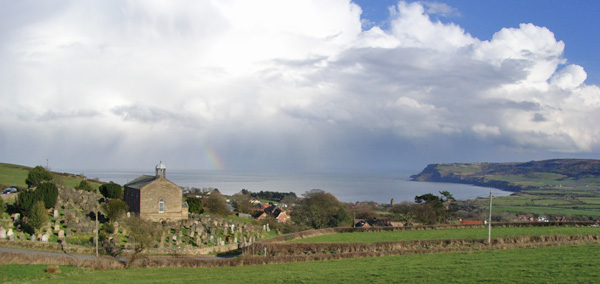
(141, 181)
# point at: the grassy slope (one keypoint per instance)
(15, 175)
(561, 264)
(467, 233)
(555, 194)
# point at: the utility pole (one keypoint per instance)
(97, 212)
(490, 221)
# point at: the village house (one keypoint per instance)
(156, 198)
(275, 212)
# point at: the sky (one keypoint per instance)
(321, 85)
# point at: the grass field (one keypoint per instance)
(462, 233)
(553, 264)
(15, 175)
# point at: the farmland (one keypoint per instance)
(556, 264)
(454, 233)
(561, 188)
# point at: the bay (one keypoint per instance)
(346, 186)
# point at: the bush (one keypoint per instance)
(111, 190)
(85, 186)
(216, 203)
(2, 209)
(38, 175)
(115, 209)
(194, 205)
(48, 193)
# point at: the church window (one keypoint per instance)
(161, 205)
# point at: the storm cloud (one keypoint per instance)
(267, 84)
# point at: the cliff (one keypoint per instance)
(511, 176)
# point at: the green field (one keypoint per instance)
(554, 264)
(461, 233)
(15, 175)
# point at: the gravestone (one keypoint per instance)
(61, 234)
(55, 213)
(9, 234)
(33, 238)
(45, 238)
(2, 233)
(56, 227)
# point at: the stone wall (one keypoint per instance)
(172, 196)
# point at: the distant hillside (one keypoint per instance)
(517, 176)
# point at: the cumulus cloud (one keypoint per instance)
(271, 83)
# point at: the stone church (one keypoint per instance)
(156, 198)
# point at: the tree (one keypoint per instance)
(114, 209)
(38, 175)
(242, 203)
(39, 216)
(216, 203)
(194, 205)
(404, 213)
(27, 198)
(1, 207)
(47, 192)
(319, 209)
(142, 234)
(111, 190)
(434, 209)
(84, 185)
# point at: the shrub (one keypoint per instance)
(48, 193)
(111, 190)
(216, 203)
(194, 205)
(1, 207)
(38, 175)
(85, 186)
(115, 209)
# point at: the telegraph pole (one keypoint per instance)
(97, 212)
(490, 221)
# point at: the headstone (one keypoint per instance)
(33, 238)
(56, 227)
(17, 217)
(2, 233)
(115, 227)
(128, 214)
(9, 233)
(55, 213)
(61, 234)
(45, 238)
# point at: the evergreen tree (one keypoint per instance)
(38, 175)
(26, 200)
(111, 190)
(39, 216)
(48, 193)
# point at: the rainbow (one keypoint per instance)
(213, 157)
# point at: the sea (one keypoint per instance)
(380, 187)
